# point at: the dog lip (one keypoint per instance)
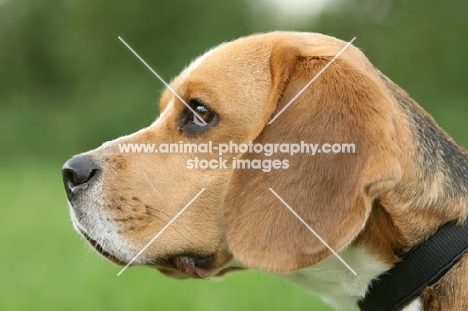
(101, 250)
(186, 265)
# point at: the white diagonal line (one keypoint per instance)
(160, 232)
(313, 231)
(313, 79)
(162, 80)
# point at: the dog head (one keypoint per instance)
(120, 199)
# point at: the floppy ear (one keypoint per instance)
(332, 192)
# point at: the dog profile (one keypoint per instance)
(405, 180)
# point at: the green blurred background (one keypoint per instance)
(67, 84)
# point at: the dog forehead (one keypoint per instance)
(256, 50)
(234, 54)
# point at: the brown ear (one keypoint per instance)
(332, 192)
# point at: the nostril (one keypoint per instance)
(68, 175)
(78, 177)
(92, 174)
(77, 171)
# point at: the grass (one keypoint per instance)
(45, 265)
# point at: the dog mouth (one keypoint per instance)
(180, 266)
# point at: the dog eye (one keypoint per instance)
(203, 113)
(191, 124)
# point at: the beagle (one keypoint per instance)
(406, 178)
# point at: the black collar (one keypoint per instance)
(422, 266)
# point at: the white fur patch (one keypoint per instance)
(334, 283)
(416, 305)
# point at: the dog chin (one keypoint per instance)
(175, 266)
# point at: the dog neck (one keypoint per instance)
(434, 186)
(432, 192)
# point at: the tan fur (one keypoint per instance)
(384, 197)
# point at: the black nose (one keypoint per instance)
(76, 172)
